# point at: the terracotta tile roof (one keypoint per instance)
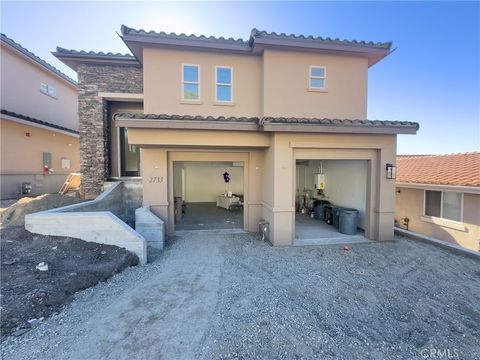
(273, 120)
(273, 35)
(453, 169)
(61, 50)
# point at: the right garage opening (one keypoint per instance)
(330, 202)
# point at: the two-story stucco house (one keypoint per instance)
(271, 113)
(38, 122)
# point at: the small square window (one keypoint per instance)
(318, 78)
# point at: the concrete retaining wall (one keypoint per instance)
(92, 221)
(150, 226)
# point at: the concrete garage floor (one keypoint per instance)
(208, 216)
(310, 231)
(234, 297)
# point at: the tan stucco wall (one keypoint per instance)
(22, 156)
(286, 80)
(272, 84)
(162, 71)
(20, 91)
(269, 176)
(409, 203)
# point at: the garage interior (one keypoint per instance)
(208, 195)
(330, 201)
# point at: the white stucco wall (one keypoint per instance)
(204, 180)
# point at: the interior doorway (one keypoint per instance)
(208, 195)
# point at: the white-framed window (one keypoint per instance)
(317, 78)
(223, 84)
(47, 89)
(190, 82)
(444, 204)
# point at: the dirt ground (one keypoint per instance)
(29, 295)
(14, 214)
(212, 295)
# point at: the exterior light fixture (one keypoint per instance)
(391, 171)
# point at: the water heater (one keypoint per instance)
(319, 181)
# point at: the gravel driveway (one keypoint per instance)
(229, 296)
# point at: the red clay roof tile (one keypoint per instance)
(452, 169)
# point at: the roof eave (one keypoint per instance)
(135, 42)
(374, 54)
(448, 187)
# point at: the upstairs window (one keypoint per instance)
(318, 78)
(49, 90)
(191, 82)
(223, 84)
(443, 204)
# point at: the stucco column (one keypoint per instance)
(154, 177)
(283, 210)
(384, 211)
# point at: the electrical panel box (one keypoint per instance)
(319, 181)
(47, 160)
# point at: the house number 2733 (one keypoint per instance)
(155, 179)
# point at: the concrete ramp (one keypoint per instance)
(92, 221)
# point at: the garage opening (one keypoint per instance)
(208, 195)
(330, 201)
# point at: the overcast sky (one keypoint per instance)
(432, 77)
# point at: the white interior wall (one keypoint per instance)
(204, 180)
(345, 183)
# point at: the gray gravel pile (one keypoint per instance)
(212, 296)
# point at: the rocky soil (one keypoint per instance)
(31, 291)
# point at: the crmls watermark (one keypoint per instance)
(432, 353)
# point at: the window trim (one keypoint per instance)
(310, 77)
(182, 91)
(424, 214)
(223, 102)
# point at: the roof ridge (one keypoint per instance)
(128, 30)
(259, 33)
(36, 58)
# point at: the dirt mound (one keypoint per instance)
(31, 291)
(14, 215)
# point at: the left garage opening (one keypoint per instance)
(208, 195)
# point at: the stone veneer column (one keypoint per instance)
(93, 117)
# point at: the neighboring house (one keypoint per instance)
(39, 123)
(184, 110)
(440, 197)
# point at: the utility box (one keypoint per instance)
(319, 181)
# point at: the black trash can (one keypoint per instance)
(319, 209)
(348, 221)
